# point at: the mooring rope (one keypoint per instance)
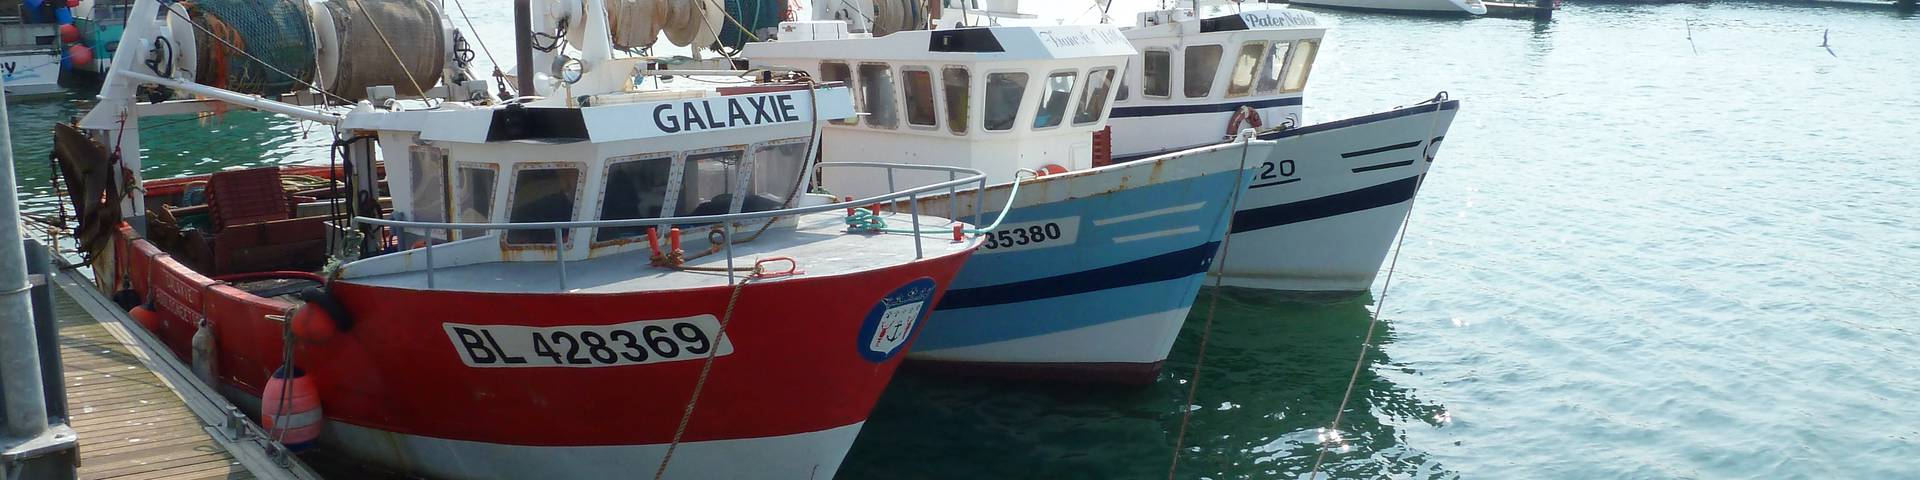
(706, 367)
(1213, 305)
(1366, 342)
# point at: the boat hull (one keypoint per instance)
(1091, 274)
(1322, 211)
(443, 384)
(31, 74)
(1426, 7)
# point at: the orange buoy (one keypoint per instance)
(69, 33)
(313, 324)
(146, 317)
(1052, 169)
(290, 409)
(80, 55)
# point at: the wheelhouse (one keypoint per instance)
(996, 99)
(1210, 68)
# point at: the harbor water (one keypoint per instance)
(1661, 241)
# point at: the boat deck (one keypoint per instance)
(130, 409)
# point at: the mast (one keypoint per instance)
(523, 46)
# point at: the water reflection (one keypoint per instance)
(1276, 367)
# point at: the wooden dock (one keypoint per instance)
(138, 415)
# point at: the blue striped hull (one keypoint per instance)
(1091, 284)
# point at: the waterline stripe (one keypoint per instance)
(1162, 233)
(1149, 214)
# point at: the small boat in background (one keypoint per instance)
(30, 41)
(1098, 262)
(1420, 7)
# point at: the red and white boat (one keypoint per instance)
(486, 289)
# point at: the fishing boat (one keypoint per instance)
(1323, 209)
(1416, 7)
(1098, 262)
(30, 53)
(604, 284)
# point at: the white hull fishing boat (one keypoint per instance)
(490, 289)
(29, 53)
(1097, 263)
(1321, 212)
(1422, 7)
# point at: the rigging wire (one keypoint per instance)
(396, 53)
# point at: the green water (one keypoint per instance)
(1638, 256)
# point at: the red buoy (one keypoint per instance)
(290, 409)
(73, 4)
(311, 323)
(80, 55)
(147, 318)
(69, 33)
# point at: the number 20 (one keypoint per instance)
(1285, 168)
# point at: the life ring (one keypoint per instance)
(1245, 115)
(1051, 169)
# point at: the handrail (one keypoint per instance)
(972, 177)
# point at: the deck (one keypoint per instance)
(130, 406)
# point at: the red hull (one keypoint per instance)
(796, 363)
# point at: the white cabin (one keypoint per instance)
(1193, 73)
(995, 99)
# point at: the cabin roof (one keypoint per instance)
(973, 44)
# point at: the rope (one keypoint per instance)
(706, 368)
(1213, 305)
(1366, 342)
(870, 220)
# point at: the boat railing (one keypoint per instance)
(958, 179)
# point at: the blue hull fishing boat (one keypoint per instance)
(1091, 273)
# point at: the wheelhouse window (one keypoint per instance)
(876, 86)
(636, 187)
(427, 174)
(473, 197)
(1240, 84)
(1158, 75)
(1093, 103)
(1054, 101)
(838, 72)
(956, 84)
(708, 181)
(1273, 67)
(919, 97)
(777, 167)
(1202, 62)
(1004, 92)
(1300, 63)
(542, 194)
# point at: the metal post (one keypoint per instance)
(20, 390)
(727, 227)
(523, 46)
(29, 446)
(560, 256)
(953, 199)
(429, 249)
(980, 201)
(52, 375)
(913, 201)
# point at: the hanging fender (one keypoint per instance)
(1243, 117)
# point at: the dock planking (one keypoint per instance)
(132, 426)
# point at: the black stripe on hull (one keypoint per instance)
(1166, 266)
(1328, 206)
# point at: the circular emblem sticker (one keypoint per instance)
(890, 324)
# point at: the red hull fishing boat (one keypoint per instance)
(606, 284)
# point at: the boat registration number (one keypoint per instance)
(633, 343)
(1032, 235)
